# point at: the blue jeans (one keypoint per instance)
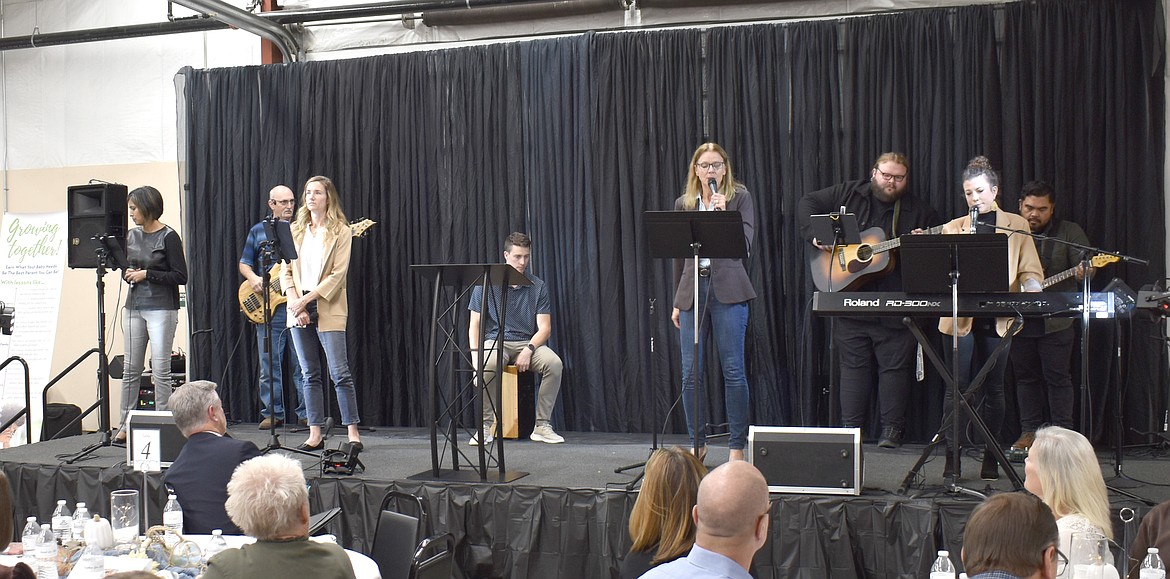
(729, 322)
(276, 376)
(309, 342)
(139, 327)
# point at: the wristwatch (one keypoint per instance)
(531, 347)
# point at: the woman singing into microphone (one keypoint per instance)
(318, 308)
(724, 291)
(978, 337)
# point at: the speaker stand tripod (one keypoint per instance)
(103, 383)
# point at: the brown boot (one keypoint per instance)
(1025, 441)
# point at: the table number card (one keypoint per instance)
(146, 449)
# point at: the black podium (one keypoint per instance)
(696, 235)
(446, 404)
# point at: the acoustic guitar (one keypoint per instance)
(252, 301)
(850, 266)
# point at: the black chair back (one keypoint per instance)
(397, 535)
(435, 558)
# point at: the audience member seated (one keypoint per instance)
(661, 527)
(1154, 531)
(267, 498)
(731, 524)
(20, 570)
(201, 472)
(1062, 470)
(1012, 536)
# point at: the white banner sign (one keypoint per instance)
(32, 266)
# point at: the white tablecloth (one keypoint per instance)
(363, 566)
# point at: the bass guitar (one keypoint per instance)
(849, 266)
(252, 301)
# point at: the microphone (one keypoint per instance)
(974, 217)
(714, 186)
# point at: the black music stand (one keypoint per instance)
(842, 228)
(984, 258)
(463, 277)
(695, 235)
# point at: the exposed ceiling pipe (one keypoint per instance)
(281, 17)
(111, 33)
(288, 44)
(698, 3)
(382, 9)
(512, 13)
(286, 17)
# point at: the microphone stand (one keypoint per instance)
(1087, 252)
(270, 253)
(654, 424)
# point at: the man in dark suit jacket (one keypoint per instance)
(200, 474)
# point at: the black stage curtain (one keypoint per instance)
(572, 139)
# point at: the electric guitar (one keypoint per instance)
(849, 266)
(1101, 260)
(252, 301)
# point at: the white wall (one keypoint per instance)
(96, 110)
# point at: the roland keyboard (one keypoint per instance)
(1040, 304)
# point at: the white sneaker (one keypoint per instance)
(544, 433)
(487, 434)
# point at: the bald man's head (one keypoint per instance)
(282, 201)
(731, 499)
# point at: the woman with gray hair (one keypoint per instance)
(267, 498)
(1062, 470)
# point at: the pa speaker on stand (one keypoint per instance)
(95, 209)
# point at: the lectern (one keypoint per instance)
(446, 404)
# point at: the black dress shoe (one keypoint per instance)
(990, 468)
(310, 448)
(357, 445)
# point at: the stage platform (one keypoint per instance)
(568, 517)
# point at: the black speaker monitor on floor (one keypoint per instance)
(95, 209)
(808, 460)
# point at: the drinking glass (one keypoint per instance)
(1089, 555)
(124, 515)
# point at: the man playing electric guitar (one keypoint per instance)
(873, 349)
(1041, 352)
(282, 202)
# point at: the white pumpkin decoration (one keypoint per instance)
(98, 532)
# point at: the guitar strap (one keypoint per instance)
(1046, 248)
(893, 234)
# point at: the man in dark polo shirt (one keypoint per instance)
(525, 342)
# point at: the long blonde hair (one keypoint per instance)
(696, 186)
(335, 220)
(1070, 476)
(662, 513)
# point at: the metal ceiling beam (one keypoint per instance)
(289, 45)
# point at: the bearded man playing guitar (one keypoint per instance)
(872, 349)
(282, 202)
